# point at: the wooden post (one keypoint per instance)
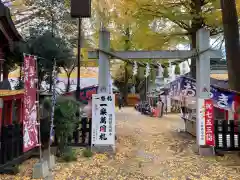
(1, 114)
(1, 61)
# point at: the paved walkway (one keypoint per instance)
(149, 148)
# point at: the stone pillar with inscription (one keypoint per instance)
(104, 88)
(202, 87)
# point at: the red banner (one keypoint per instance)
(209, 122)
(30, 133)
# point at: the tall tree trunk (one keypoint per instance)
(126, 77)
(197, 23)
(68, 82)
(127, 47)
(5, 71)
(231, 35)
(20, 72)
(193, 69)
(50, 82)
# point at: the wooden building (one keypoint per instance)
(11, 101)
(8, 35)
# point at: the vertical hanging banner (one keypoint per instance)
(103, 119)
(30, 132)
(209, 122)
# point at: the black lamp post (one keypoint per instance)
(80, 9)
(78, 59)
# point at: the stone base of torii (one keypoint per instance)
(203, 53)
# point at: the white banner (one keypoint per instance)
(103, 119)
(201, 121)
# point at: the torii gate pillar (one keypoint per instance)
(202, 87)
(103, 74)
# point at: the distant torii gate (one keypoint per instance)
(203, 53)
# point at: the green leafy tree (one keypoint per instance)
(68, 66)
(179, 18)
(47, 48)
(65, 120)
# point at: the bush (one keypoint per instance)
(65, 121)
(87, 153)
(45, 122)
(69, 155)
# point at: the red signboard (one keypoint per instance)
(209, 122)
(30, 132)
(85, 93)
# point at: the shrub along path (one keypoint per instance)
(148, 148)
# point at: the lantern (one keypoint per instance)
(81, 8)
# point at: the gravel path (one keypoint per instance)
(148, 148)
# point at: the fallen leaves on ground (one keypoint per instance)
(146, 149)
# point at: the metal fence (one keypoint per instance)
(227, 135)
(11, 143)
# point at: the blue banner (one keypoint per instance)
(188, 87)
(221, 98)
(175, 87)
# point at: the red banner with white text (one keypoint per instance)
(30, 133)
(209, 123)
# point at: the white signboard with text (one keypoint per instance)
(201, 121)
(103, 119)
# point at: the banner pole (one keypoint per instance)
(38, 110)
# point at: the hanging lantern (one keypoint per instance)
(81, 9)
(147, 70)
(135, 68)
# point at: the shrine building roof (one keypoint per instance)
(7, 25)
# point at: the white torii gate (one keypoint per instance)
(203, 53)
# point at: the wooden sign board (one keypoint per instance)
(80, 8)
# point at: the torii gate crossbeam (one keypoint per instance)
(154, 55)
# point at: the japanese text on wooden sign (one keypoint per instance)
(103, 119)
